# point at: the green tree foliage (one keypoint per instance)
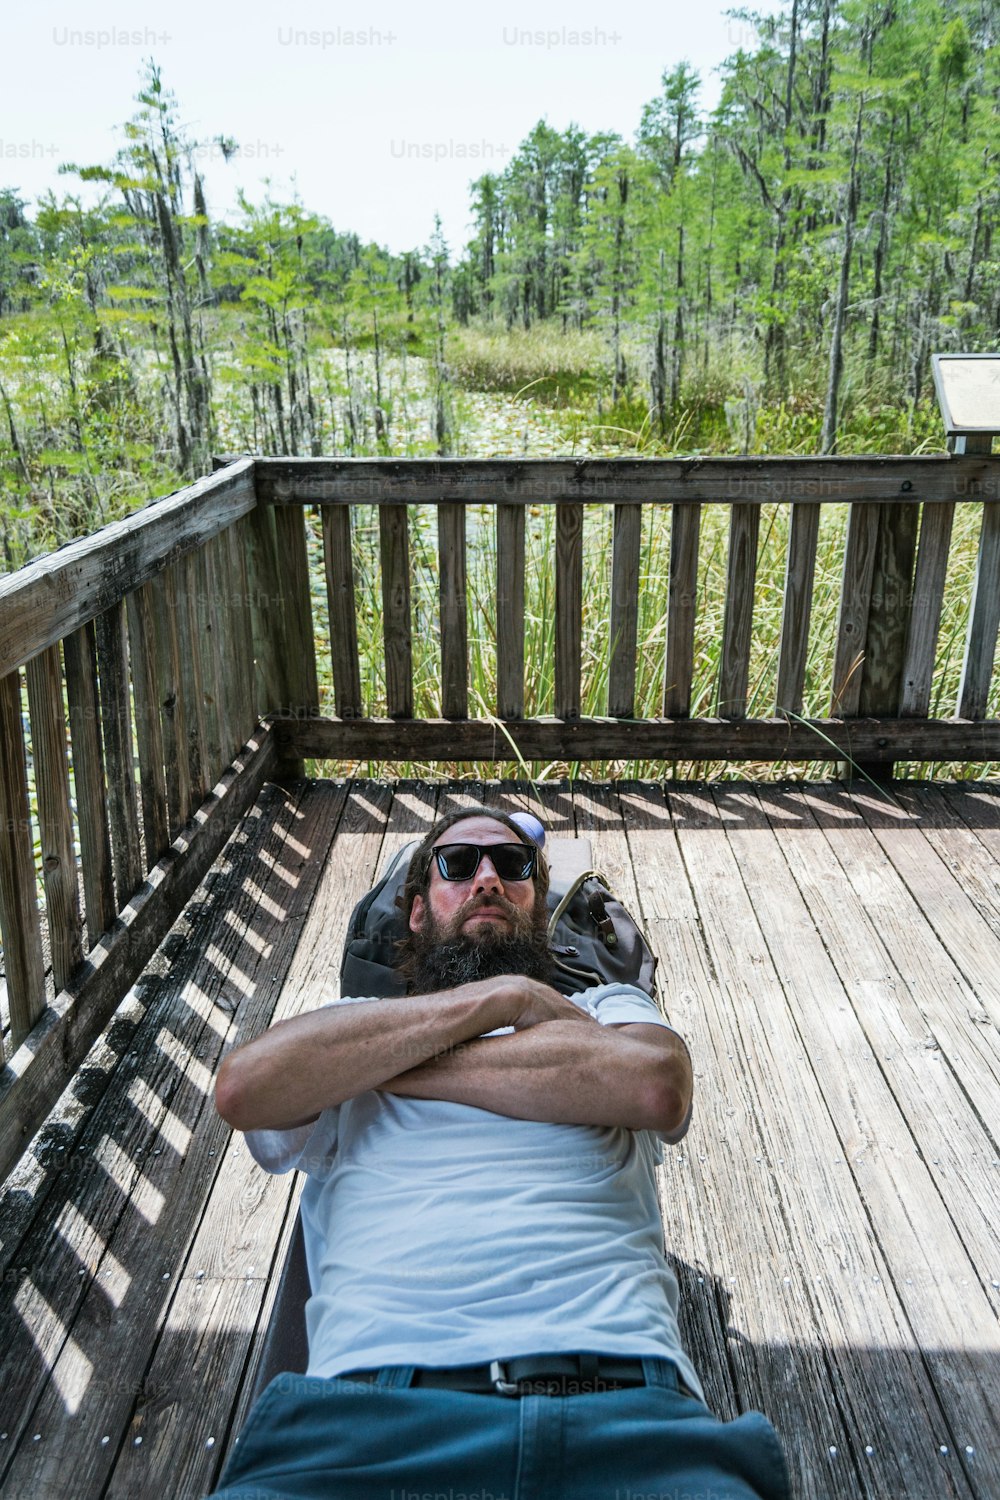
(828, 226)
(778, 266)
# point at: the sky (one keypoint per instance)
(377, 117)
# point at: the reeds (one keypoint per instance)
(651, 643)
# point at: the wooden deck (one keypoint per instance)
(833, 959)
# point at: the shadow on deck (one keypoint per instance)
(834, 1213)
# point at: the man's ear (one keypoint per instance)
(417, 913)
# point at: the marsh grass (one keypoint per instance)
(558, 368)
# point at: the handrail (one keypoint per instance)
(134, 667)
(47, 599)
(623, 481)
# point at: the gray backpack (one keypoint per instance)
(594, 939)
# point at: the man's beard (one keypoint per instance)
(444, 956)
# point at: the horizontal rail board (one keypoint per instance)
(643, 739)
(56, 1046)
(51, 597)
(749, 481)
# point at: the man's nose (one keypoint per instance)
(487, 878)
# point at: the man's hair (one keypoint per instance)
(418, 873)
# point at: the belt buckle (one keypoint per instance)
(498, 1375)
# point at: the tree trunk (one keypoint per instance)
(828, 438)
(880, 253)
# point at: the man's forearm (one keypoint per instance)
(314, 1061)
(562, 1073)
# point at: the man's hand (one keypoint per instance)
(537, 1002)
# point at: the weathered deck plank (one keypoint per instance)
(832, 1214)
(864, 1070)
(155, 1143)
(815, 1288)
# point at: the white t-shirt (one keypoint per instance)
(443, 1234)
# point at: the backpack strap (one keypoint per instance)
(576, 884)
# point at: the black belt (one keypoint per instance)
(528, 1375)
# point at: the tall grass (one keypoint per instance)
(651, 642)
(545, 391)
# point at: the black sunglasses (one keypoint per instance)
(461, 861)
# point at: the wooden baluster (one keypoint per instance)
(165, 603)
(267, 610)
(888, 615)
(299, 639)
(190, 659)
(855, 602)
(394, 538)
(454, 613)
(569, 609)
(55, 820)
(226, 593)
(510, 611)
(112, 652)
(338, 558)
(682, 596)
(888, 618)
(19, 924)
(238, 537)
(984, 620)
(212, 645)
(800, 571)
(925, 613)
(737, 627)
(624, 610)
(140, 609)
(80, 655)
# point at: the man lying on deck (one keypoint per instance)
(493, 1315)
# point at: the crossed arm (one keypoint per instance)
(558, 1064)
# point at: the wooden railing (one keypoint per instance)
(886, 634)
(155, 674)
(148, 652)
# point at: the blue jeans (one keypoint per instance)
(313, 1439)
